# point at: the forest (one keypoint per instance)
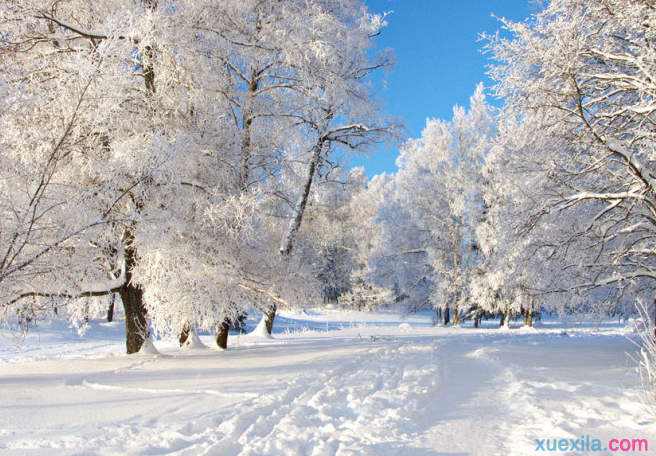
(184, 159)
(185, 162)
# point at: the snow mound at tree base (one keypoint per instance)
(261, 331)
(193, 341)
(405, 327)
(148, 348)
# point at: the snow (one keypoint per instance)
(261, 330)
(148, 348)
(329, 383)
(193, 341)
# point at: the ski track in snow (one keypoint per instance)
(394, 389)
(364, 406)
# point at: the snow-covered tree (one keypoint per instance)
(512, 268)
(81, 80)
(578, 76)
(399, 256)
(439, 185)
(173, 137)
(296, 85)
(340, 229)
(341, 111)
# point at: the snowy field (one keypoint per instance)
(327, 383)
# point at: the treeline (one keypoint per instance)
(550, 201)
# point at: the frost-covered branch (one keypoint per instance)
(90, 34)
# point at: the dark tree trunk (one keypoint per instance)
(447, 316)
(269, 316)
(502, 320)
(136, 324)
(184, 334)
(525, 315)
(439, 315)
(529, 313)
(222, 334)
(110, 309)
(477, 321)
(136, 329)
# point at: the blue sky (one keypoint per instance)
(438, 60)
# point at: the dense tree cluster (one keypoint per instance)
(551, 204)
(578, 83)
(436, 196)
(165, 151)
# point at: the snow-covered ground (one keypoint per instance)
(327, 383)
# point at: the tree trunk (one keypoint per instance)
(246, 133)
(147, 60)
(529, 316)
(269, 316)
(439, 316)
(655, 318)
(456, 291)
(136, 329)
(456, 315)
(299, 208)
(110, 309)
(502, 320)
(295, 223)
(184, 334)
(447, 316)
(136, 325)
(222, 334)
(506, 322)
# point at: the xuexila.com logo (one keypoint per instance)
(585, 443)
